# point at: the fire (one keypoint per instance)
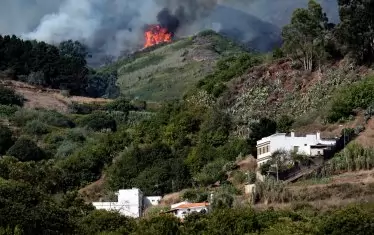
(155, 35)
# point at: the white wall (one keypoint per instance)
(130, 202)
(152, 201)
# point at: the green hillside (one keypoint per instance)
(166, 72)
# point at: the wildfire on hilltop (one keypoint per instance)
(156, 34)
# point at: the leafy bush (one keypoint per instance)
(347, 99)
(163, 224)
(239, 177)
(6, 140)
(121, 104)
(284, 124)
(350, 220)
(196, 195)
(56, 119)
(7, 111)
(36, 127)
(66, 149)
(98, 121)
(100, 221)
(78, 108)
(26, 150)
(211, 173)
(9, 97)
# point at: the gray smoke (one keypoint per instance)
(114, 27)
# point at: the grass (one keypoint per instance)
(314, 181)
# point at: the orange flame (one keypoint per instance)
(155, 35)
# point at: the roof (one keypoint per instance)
(192, 205)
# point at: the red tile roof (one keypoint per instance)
(192, 205)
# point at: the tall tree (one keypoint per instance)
(304, 36)
(356, 29)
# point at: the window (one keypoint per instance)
(305, 144)
(259, 151)
(267, 148)
(296, 149)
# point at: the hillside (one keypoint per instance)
(187, 126)
(167, 72)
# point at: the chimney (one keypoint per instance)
(318, 135)
(292, 134)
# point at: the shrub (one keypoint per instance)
(99, 221)
(56, 119)
(6, 140)
(163, 224)
(7, 111)
(36, 78)
(66, 148)
(239, 177)
(278, 53)
(22, 116)
(26, 150)
(98, 121)
(349, 98)
(211, 173)
(195, 195)
(350, 220)
(284, 124)
(121, 104)
(9, 97)
(36, 127)
(78, 108)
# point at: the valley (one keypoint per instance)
(276, 141)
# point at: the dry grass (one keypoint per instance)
(248, 164)
(50, 99)
(366, 138)
(94, 191)
(171, 198)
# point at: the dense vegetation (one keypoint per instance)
(186, 143)
(61, 67)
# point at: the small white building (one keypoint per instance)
(152, 201)
(131, 202)
(310, 144)
(182, 209)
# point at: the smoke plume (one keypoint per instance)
(115, 27)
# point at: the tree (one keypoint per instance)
(6, 140)
(100, 221)
(263, 128)
(356, 29)
(222, 201)
(350, 220)
(163, 224)
(284, 124)
(26, 150)
(304, 36)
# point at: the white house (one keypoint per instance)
(310, 144)
(182, 209)
(131, 202)
(152, 201)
